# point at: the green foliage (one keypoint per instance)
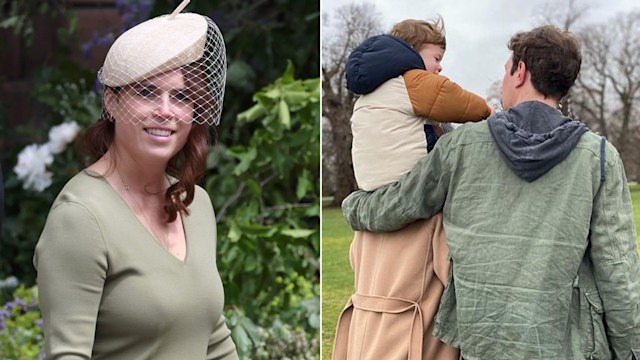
(66, 90)
(266, 193)
(7, 287)
(21, 336)
(281, 342)
(26, 210)
(278, 341)
(67, 99)
(18, 15)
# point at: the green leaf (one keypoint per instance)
(234, 232)
(294, 98)
(284, 115)
(241, 338)
(314, 87)
(288, 77)
(44, 8)
(255, 229)
(297, 233)
(303, 184)
(245, 161)
(273, 93)
(253, 186)
(10, 22)
(73, 23)
(314, 321)
(251, 114)
(250, 265)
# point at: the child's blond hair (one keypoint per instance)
(419, 32)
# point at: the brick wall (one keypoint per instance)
(19, 62)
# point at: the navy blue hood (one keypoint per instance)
(534, 137)
(378, 59)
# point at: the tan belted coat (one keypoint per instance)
(399, 277)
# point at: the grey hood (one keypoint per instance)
(534, 137)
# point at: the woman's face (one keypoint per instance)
(153, 118)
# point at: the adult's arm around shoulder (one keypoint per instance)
(440, 99)
(71, 261)
(419, 194)
(615, 259)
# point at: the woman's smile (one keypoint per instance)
(159, 132)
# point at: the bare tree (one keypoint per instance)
(328, 159)
(494, 94)
(567, 15)
(342, 32)
(607, 93)
(593, 90)
(564, 14)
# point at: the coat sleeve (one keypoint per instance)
(419, 194)
(436, 97)
(71, 261)
(221, 346)
(614, 256)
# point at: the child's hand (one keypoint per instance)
(493, 110)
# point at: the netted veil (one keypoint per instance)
(172, 67)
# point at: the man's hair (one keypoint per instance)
(419, 32)
(551, 55)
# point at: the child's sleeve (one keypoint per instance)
(436, 97)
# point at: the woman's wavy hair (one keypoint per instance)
(188, 165)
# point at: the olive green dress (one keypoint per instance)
(109, 290)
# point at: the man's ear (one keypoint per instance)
(521, 73)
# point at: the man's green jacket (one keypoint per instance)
(542, 244)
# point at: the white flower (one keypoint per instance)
(61, 135)
(32, 167)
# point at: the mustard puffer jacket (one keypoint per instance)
(401, 103)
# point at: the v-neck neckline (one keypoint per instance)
(89, 172)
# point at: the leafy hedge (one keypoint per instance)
(267, 201)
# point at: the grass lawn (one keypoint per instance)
(337, 278)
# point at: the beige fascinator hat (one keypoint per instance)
(190, 43)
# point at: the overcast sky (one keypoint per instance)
(478, 30)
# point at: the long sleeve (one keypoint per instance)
(419, 194)
(615, 259)
(71, 260)
(440, 99)
(221, 346)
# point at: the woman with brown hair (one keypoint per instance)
(127, 259)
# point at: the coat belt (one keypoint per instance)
(392, 305)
